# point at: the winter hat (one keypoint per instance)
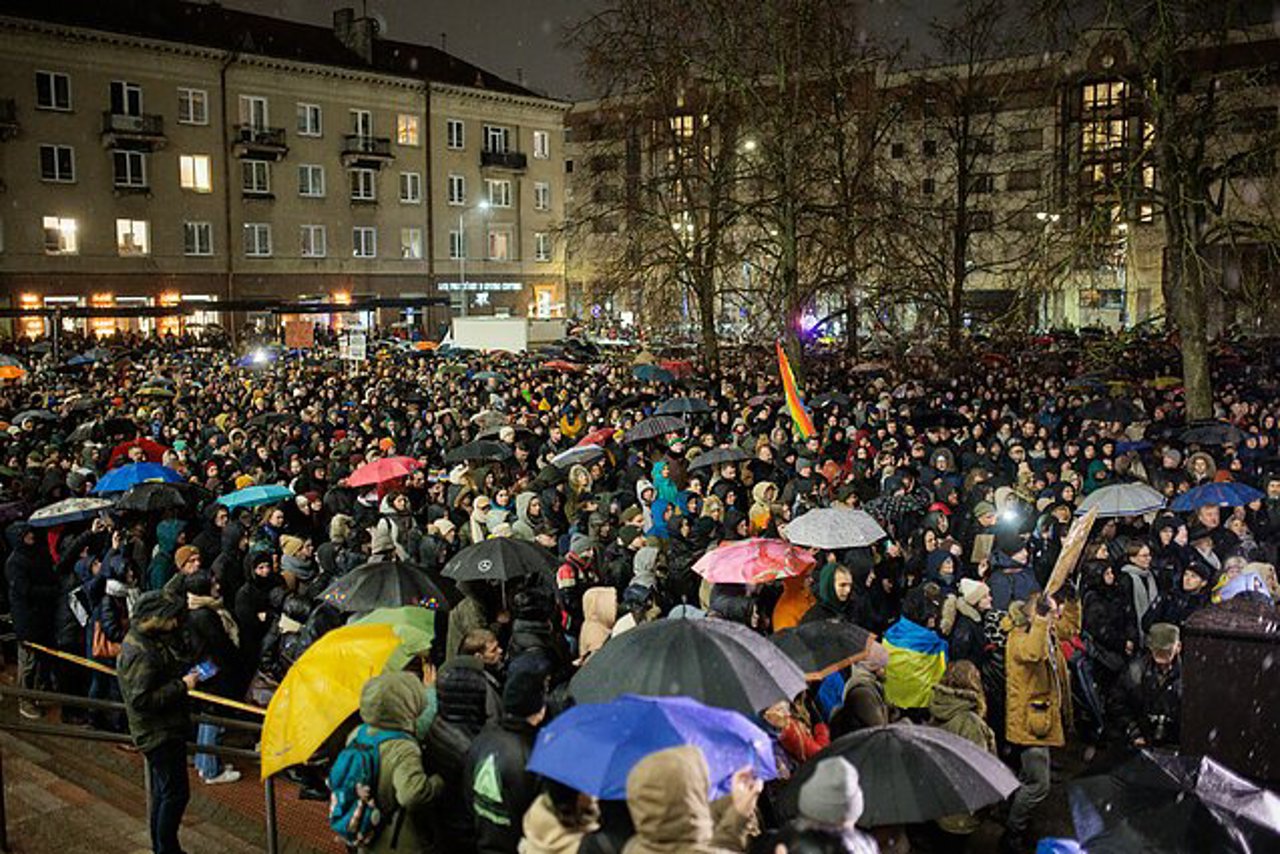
(973, 591)
(831, 795)
(156, 603)
(628, 533)
(244, 481)
(631, 514)
(525, 692)
(291, 545)
(983, 508)
(341, 527)
(184, 554)
(581, 543)
(443, 526)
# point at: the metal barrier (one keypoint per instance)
(73, 732)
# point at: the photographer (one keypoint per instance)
(1148, 697)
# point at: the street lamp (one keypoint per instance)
(482, 206)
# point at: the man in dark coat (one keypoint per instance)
(155, 682)
(33, 598)
(1148, 703)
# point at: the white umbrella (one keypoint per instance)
(1122, 499)
(834, 528)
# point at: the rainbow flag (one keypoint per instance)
(799, 414)
(917, 659)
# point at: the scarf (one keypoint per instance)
(1144, 591)
(195, 602)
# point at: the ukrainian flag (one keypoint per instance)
(917, 658)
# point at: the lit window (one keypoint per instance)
(130, 168)
(53, 91)
(410, 188)
(309, 120)
(57, 163)
(363, 185)
(364, 242)
(407, 129)
(499, 192)
(457, 248)
(257, 240)
(541, 145)
(457, 190)
(1149, 176)
(411, 243)
(255, 176)
(61, 237)
(541, 195)
(314, 242)
(195, 173)
(133, 237)
(500, 244)
(454, 134)
(311, 180)
(541, 246)
(197, 238)
(1146, 212)
(193, 107)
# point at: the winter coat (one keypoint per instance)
(150, 671)
(523, 527)
(467, 695)
(33, 587)
(208, 640)
(967, 641)
(600, 613)
(1037, 686)
(544, 834)
(161, 567)
(392, 702)
(445, 749)
(1013, 586)
(956, 711)
(1147, 702)
(498, 789)
(470, 614)
(667, 796)
(864, 704)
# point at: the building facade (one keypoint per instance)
(210, 155)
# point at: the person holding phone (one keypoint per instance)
(213, 639)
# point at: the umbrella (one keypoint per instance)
(754, 561)
(119, 426)
(831, 398)
(268, 419)
(916, 774)
(1213, 433)
(154, 497)
(498, 559)
(653, 374)
(256, 496)
(717, 662)
(482, 449)
(869, 368)
(383, 470)
(489, 419)
(120, 479)
(717, 457)
(594, 746)
(683, 406)
(822, 647)
(562, 365)
(939, 418)
(154, 391)
(383, 584)
(522, 433)
(12, 372)
(487, 375)
(577, 454)
(834, 528)
(1122, 499)
(33, 415)
(598, 436)
(1225, 494)
(762, 399)
(1164, 802)
(322, 688)
(1111, 409)
(7, 361)
(1165, 383)
(655, 428)
(412, 616)
(68, 510)
(82, 432)
(644, 357)
(152, 450)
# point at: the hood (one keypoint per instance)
(641, 485)
(384, 506)
(764, 492)
(543, 831)
(230, 539)
(523, 500)
(167, 534)
(951, 701)
(827, 586)
(645, 566)
(392, 701)
(667, 796)
(600, 605)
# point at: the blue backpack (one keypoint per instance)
(353, 781)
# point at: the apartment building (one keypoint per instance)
(185, 153)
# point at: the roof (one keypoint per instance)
(213, 26)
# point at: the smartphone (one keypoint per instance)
(205, 671)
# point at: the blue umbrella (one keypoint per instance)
(1226, 494)
(653, 373)
(121, 479)
(592, 747)
(256, 496)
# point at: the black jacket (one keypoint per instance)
(467, 696)
(1148, 702)
(967, 641)
(503, 750)
(155, 698)
(445, 753)
(33, 587)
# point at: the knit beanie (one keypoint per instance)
(831, 795)
(973, 591)
(184, 554)
(291, 545)
(525, 692)
(580, 544)
(341, 527)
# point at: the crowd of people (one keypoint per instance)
(975, 472)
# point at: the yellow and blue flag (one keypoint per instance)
(917, 659)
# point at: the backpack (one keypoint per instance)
(354, 813)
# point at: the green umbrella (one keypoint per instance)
(413, 617)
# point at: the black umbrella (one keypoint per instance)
(717, 662)
(718, 457)
(912, 774)
(939, 418)
(1159, 801)
(481, 449)
(1213, 433)
(821, 647)
(269, 419)
(830, 398)
(34, 415)
(683, 406)
(153, 497)
(82, 432)
(498, 559)
(383, 584)
(655, 428)
(1111, 409)
(522, 433)
(119, 427)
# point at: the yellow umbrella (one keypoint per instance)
(1162, 383)
(322, 689)
(12, 372)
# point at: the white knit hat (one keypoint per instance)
(973, 591)
(832, 796)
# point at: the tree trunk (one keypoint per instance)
(851, 320)
(1195, 343)
(707, 321)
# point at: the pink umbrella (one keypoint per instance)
(383, 470)
(754, 561)
(598, 437)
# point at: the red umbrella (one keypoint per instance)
(562, 365)
(679, 367)
(383, 470)
(754, 561)
(151, 449)
(598, 437)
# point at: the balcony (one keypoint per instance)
(8, 119)
(258, 143)
(367, 152)
(512, 160)
(133, 133)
